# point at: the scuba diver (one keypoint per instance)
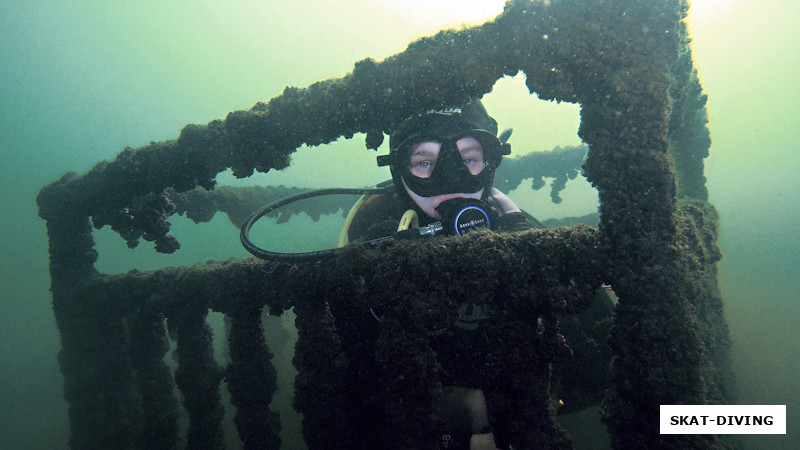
(443, 164)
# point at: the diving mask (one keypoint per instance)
(433, 165)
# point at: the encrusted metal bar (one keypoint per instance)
(159, 411)
(689, 136)
(251, 380)
(198, 376)
(320, 386)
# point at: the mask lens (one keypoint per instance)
(422, 155)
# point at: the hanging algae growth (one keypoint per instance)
(642, 115)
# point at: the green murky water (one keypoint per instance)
(82, 81)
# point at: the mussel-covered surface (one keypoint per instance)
(362, 381)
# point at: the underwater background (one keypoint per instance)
(82, 80)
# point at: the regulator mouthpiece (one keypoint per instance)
(462, 215)
(459, 216)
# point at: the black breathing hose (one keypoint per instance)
(259, 252)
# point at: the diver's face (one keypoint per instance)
(422, 162)
(424, 155)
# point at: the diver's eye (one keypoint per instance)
(422, 168)
(472, 158)
(423, 158)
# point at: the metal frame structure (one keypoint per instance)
(626, 62)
